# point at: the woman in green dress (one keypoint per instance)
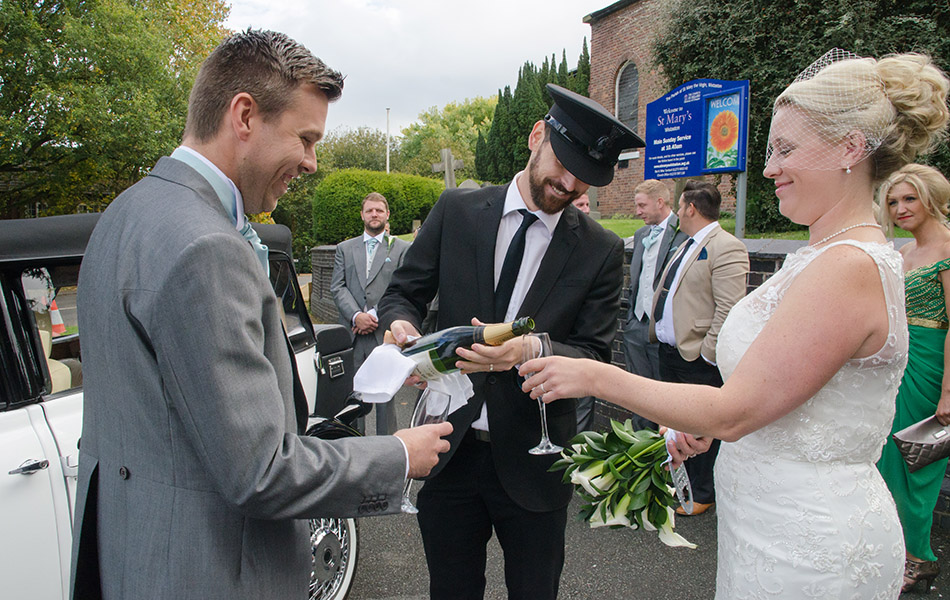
(915, 198)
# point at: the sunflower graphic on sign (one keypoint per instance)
(722, 134)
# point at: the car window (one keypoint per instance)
(50, 295)
(296, 318)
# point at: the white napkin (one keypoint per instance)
(458, 386)
(386, 369)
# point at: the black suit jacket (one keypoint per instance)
(575, 297)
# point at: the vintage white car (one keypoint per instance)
(41, 406)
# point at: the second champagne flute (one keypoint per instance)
(433, 407)
(536, 345)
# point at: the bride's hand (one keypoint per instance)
(556, 377)
(686, 446)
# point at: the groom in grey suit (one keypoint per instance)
(362, 269)
(653, 245)
(194, 477)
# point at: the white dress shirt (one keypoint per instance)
(537, 239)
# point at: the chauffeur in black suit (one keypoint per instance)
(495, 254)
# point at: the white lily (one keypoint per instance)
(595, 519)
(583, 478)
(619, 515)
(603, 482)
(670, 537)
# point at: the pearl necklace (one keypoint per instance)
(840, 231)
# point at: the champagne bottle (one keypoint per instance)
(435, 353)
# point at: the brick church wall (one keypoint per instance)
(620, 33)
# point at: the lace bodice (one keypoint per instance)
(835, 424)
(803, 512)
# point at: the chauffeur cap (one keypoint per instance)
(586, 138)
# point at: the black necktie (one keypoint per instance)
(668, 281)
(511, 266)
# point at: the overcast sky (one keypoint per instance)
(409, 55)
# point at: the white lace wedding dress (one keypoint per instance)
(803, 512)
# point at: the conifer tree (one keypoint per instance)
(527, 107)
(562, 78)
(482, 170)
(582, 76)
(498, 145)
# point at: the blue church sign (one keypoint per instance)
(701, 127)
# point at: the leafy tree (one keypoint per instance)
(93, 93)
(769, 43)
(360, 148)
(455, 127)
(336, 201)
(296, 212)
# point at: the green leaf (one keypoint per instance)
(621, 433)
(638, 501)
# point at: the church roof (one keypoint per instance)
(605, 12)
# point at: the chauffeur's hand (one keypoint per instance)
(484, 358)
(424, 444)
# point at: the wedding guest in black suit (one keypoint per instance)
(568, 277)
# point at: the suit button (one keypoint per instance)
(123, 473)
(492, 379)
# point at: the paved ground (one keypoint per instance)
(601, 564)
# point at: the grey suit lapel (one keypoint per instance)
(636, 259)
(665, 242)
(175, 171)
(359, 259)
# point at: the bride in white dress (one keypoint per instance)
(813, 358)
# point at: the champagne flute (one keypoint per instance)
(432, 407)
(536, 345)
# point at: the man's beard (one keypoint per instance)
(546, 203)
(374, 231)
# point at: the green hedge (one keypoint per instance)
(336, 202)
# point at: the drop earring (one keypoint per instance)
(847, 170)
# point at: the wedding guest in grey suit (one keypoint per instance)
(194, 477)
(362, 268)
(653, 245)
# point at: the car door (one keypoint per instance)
(35, 501)
(296, 321)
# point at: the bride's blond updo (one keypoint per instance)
(899, 104)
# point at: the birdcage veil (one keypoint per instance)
(840, 97)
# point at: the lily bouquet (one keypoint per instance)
(622, 478)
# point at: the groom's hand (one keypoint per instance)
(424, 445)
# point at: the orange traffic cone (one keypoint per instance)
(59, 328)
